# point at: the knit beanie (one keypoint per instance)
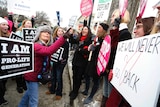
(2, 20)
(44, 28)
(104, 26)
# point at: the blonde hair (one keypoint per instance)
(55, 32)
(23, 23)
(125, 18)
(156, 27)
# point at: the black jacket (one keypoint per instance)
(81, 53)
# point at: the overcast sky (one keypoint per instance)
(67, 8)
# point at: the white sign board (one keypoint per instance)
(102, 10)
(136, 70)
(21, 7)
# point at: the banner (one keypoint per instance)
(136, 70)
(29, 34)
(21, 7)
(15, 36)
(102, 10)
(17, 57)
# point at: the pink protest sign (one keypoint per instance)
(123, 6)
(86, 7)
(104, 55)
(142, 6)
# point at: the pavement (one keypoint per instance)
(13, 97)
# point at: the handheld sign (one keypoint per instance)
(15, 36)
(104, 54)
(16, 57)
(136, 70)
(102, 10)
(29, 34)
(57, 56)
(86, 7)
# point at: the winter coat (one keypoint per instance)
(91, 69)
(81, 53)
(40, 52)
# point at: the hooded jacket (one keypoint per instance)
(40, 51)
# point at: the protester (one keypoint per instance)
(79, 61)
(3, 33)
(115, 98)
(43, 48)
(58, 64)
(114, 33)
(21, 85)
(144, 26)
(91, 70)
(25, 24)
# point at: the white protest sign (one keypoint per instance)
(72, 21)
(17, 57)
(21, 7)
(136, 70)
(102, 10)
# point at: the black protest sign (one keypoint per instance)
(15, 36)
(29, 34)
(16, 57)
(57, 56)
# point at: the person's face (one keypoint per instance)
(85, 31)
(138, 31)
(28, 24)
(71, 31)
(4, 27)
(44, 36)
(100, 31)
(60, 32)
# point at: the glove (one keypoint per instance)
(110, 75)
(67, 34)
(117, 21)
(91, 47)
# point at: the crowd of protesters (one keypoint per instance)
(49, 42)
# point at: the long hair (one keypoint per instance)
(55, 32)
(23, 23)
(89, 35)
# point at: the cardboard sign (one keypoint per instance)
(102, 10)
(16, 57)
(104, 54)
(86, 7)
(136, 70)
(57, 56)
(15, 36)
(29, 34)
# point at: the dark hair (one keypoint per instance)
(147, 24)
(89, 33)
